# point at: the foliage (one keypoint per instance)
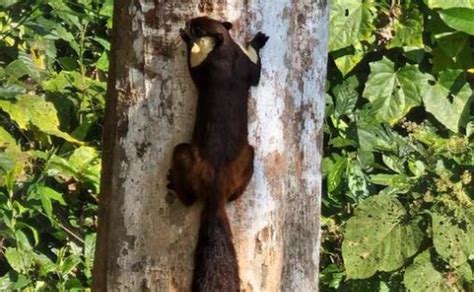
(53, 62)
(399, 208)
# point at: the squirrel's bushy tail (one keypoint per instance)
(215, 261)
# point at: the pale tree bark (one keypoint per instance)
(146, 236)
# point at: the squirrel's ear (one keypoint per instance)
(227, 25)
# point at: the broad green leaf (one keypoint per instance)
(347, 59)
(5, 283)
(453, 236)
(452, 51)
(422, 276)
(36, 111)
(346, 96)
(350, 22)
(107, 8)
(7, 3)
(45, 264)
(89, 250)
(469, 129)
(357, 181)
(464, 272)
(335, 174)
(103, 62)
(6, 139)
(86, 162)
(450, 114)
(443, 4)
(22, 66)
(56, 166)
(19, 261)
(69, 264)
(379, 238)
(346, 63)
(15, 112)
(46, 195)
(398, 181)
(22, 241)
(394, 163)
(459, 18)
(57, 83)
(373, 137)
(393, 93)
(408, 28)
(50, 193)
(11, 90)
(82, 157)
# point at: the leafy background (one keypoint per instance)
(398, 209)
(53, 67)
(398, 213)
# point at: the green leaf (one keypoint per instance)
(51, 194)
(22, 241)
(5, 283)
(393, 93)
(19, 261)
(69, 264)
(335, 174)
(11, 90)
(469, 129)
(350, 22)
(443, 4)
(45, 264)
(408, 28)
(452, 51)
(346, 96)
(46, 195)
(422, 275)
(89, 250)
(35, 110)
(373, 137)
(349, 58)
(57, 83)
(398, 181)
(22, 66)
(357, 181)
(7, 3)
(6, 139)
(103, 62)
(453, 236)
(459, 18)
(436, 99)
(378, 238)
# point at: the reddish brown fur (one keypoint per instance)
(218, 163)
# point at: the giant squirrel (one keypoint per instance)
(217, 164)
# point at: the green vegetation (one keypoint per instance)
(399, 157)
(53, 63)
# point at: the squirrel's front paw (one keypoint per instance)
(259, 40)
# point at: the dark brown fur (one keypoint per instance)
(218, 163)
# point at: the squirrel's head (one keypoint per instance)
(202, 35)
(200, 27)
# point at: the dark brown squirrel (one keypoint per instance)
(218, 163)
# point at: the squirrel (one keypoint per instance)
(217, 164)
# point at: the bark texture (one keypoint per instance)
(146, 236)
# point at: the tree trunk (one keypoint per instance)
(146, 236)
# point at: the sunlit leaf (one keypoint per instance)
(422, 275)
(378, 238)
(393, 93)
(459, 18)
(350, 22)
